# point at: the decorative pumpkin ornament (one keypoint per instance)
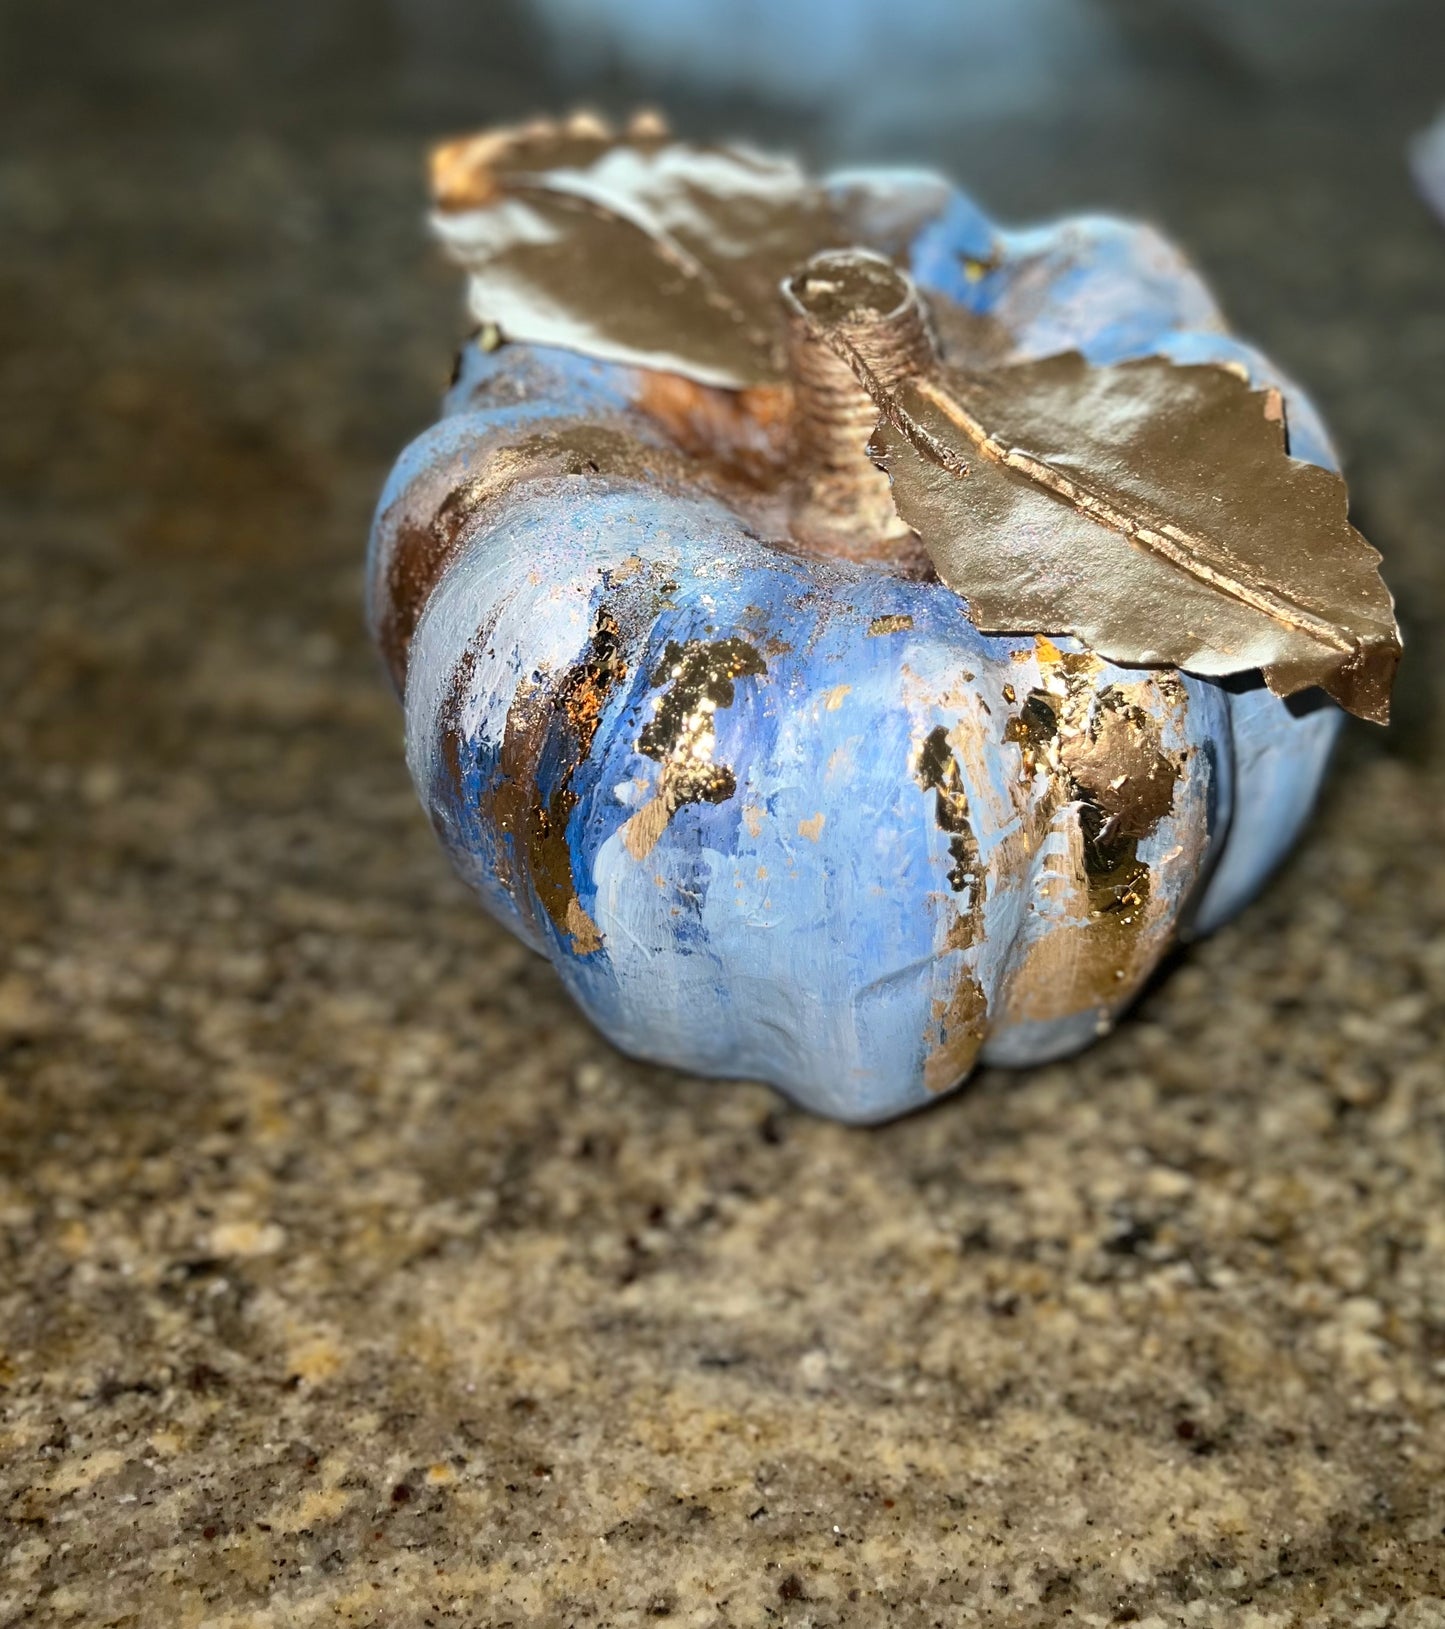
(848, 639)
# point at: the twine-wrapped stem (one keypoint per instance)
(843, 504)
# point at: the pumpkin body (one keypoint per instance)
(789, 817)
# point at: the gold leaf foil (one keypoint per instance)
(1106, 781)
(681, 735)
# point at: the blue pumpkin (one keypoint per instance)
(794, 818)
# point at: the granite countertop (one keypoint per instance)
(348, 1277)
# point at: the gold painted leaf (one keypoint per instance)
(635, 248)
(1149, 509)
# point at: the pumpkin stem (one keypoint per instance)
(843, 503)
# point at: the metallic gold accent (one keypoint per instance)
(681, 735)
(894, 623)
(938, 772)
(1150, 509)
(580, 700)
(631, 247)
(960, 1023)
(564, 716)
(586, 936)
(1108, 784)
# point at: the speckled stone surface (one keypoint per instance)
(345, 1275)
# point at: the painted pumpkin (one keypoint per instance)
(689, 710)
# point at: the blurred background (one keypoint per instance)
(266, 158)
(296, 1148)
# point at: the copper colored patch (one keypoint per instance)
(464, 171)
(744, 433)
(960, 1023)
(624, 447)
(566, 717)
(579, 700)
(419, 555)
